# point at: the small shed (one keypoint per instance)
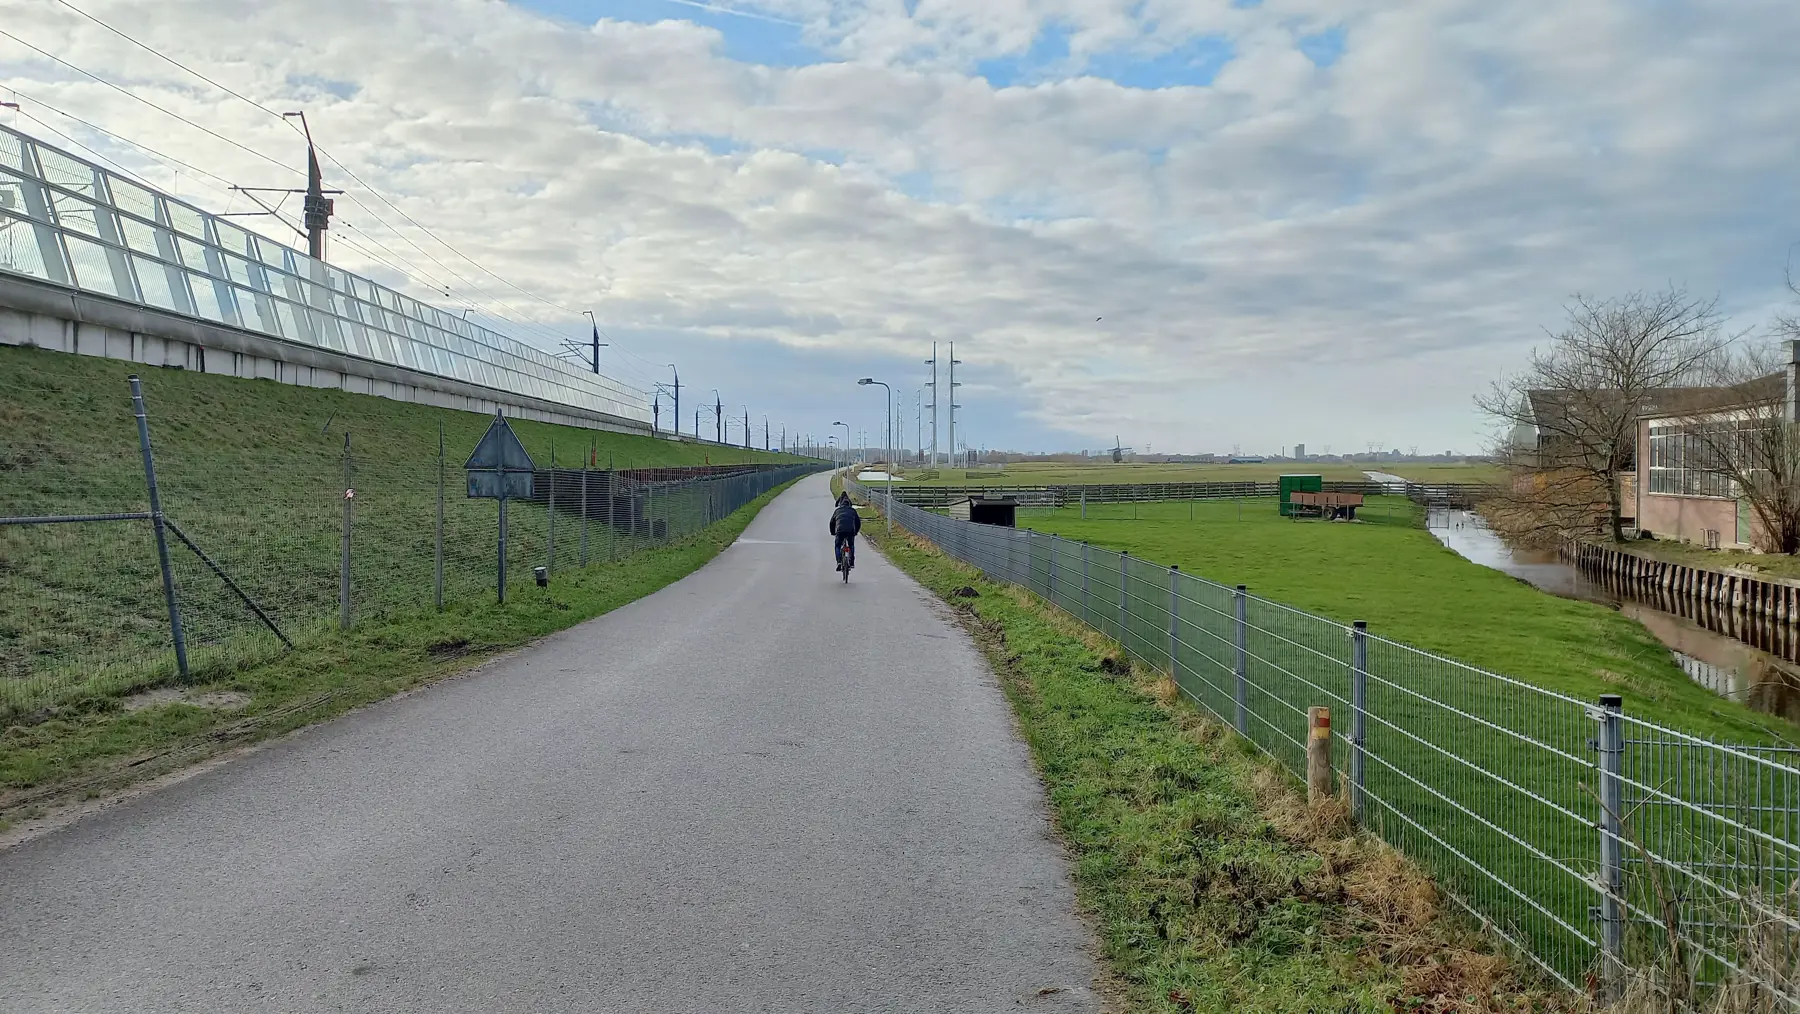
(984, 510)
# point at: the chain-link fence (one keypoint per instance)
(268, 540)
(1598, 844)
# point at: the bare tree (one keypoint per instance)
(1787, 325)
(1570, 417)
(1746, 442)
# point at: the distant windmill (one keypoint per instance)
(1118, 452)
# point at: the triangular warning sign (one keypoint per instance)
(501, 450)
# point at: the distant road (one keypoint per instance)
(756, 790)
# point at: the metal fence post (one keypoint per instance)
(437, 552)
(344, 560)
(1050, 566)
(500, 578)
(550, 515)
(1242, 603)
(1084, 503)
(1611, 743)
(1174, 621)
(1359, 699)
(1124, 594)
(156, 523)
(1087, 614)
(584, 514)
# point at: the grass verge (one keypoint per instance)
(1213, 884)
(1775, 565)
(99, 744)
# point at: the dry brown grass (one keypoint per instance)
(1768, 954)
(1393, 907)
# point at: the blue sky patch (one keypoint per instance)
(611, 118)
(312, 82)
(1193, 63)
(1325, 48)
(1050, 49)
(760, 40)
(1196, 62)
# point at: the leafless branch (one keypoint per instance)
(1573, 411)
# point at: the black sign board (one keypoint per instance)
(500, 468)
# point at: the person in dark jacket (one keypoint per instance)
(845, 523)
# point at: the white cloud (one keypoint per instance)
(1393, 227)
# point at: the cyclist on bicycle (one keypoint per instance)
(845, 523)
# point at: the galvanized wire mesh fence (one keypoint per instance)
(1597, 844)
(274, 541)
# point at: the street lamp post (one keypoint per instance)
(865, 382)
(718, 418)
(845, 446)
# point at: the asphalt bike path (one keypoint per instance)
(758, 789)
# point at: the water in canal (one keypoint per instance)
(1716, 660)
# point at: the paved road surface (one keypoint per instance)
(756, 790)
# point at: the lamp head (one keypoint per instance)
(866, 381)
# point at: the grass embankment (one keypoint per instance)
(1774, 565)
(1410, 588)
(99, 743)
(1214, 886)
(254, 471)
(1059, 473)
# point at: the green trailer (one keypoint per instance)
(1291, 484)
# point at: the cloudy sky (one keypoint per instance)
(1197, 224)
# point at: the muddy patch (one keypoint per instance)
(444, 651)
(221, 700)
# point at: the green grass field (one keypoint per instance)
(1056, 473)
(254, 472)
(1409, 588)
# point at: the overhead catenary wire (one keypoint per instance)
(529, 323)
(410, 272)
(404, 268)
(169, 112)
(128, 93)
(157, 155)
(75, 142)
(171, 61)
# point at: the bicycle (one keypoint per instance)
(847, 561)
